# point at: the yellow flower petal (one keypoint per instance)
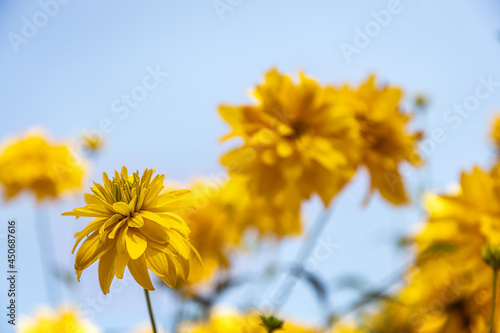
(106, 271)
(121, 208)
(136, 243)
(139, 271)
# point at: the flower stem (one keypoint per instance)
(494, 299)
(48, 259)
(297, 268)
(150, 309)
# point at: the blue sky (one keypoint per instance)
(71, 76)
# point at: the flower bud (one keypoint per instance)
(271, 323)
(491, 255)
(421, 101)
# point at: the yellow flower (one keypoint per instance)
(386, 140)
(223, 213)
(213, 231)
(92, 143)
(421, 101)
(442, 302)
(277, 217)
(231, 321)
(297, 140)
(34, 164)
(134, 227)
(450, 289)
(495, 133)
(63, 321)
(347, 327)
(391, 316)
(303, 139)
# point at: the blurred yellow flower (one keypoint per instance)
(296, 140)
(62, 321)
(450, 288)
(392, 316)
(231, 321)
(275, 217)
(223, 213)
(92, 143)
(34, 164)
(134, 227)
(214, 232)
(301, 138)
(495, 133)
(443, 303)
(386, 140)
(421, 101)
(348, 327)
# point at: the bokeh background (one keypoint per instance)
(71, 76)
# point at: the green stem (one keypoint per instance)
(494, 299)
(150, 309)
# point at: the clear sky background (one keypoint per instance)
(70, 76)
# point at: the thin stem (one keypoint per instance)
(47, 255)
(314, 233)
(150, 309)
(297, 268)
(494, 299)
(374, 293)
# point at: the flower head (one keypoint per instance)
(63, 321)
(491, 255)
(135, 226)
(231, 321)
(297, 140)
(450, 268)
(273, 217)
(386, 140)
(34, 164)
(92, 143)
(421, 101)
(214, 232)
(449, 288)
(223, 213)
